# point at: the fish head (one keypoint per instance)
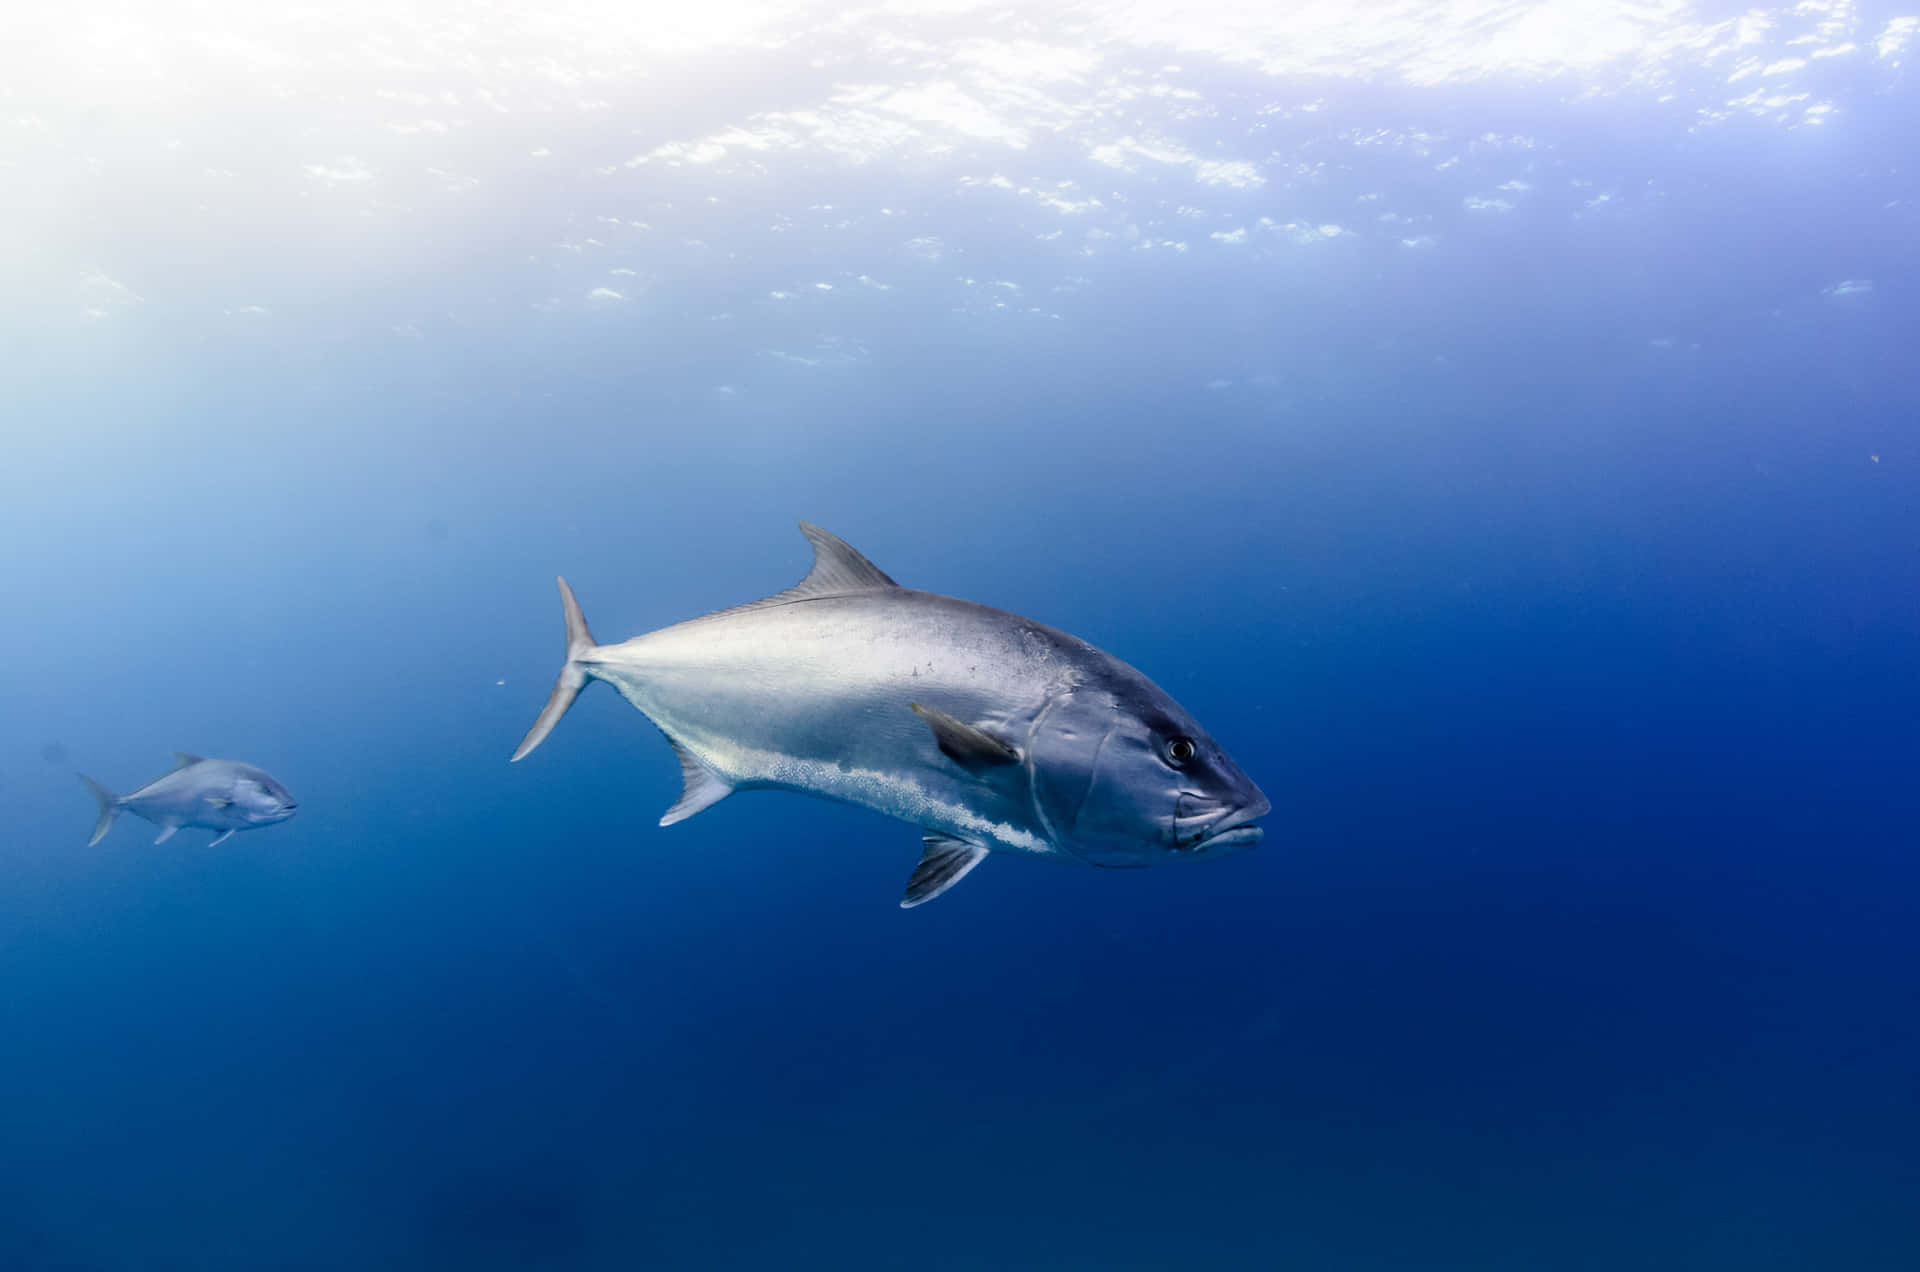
(259, 800)
(1123, 776)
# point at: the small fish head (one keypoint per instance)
(261, 801)
(1128, 778)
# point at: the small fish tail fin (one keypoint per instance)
(109, 809)
(573, 676)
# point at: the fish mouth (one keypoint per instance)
(1236, 837)
(1235, 830)
(1232, 829)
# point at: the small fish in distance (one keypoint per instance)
(222, 795)
(991, 732)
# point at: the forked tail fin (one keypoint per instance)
(109, 809)
(573, 676)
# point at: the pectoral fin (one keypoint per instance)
(967, 745)
(943, 862)
(702, 788)
(220, 839)
(219, 801)
(166, 832)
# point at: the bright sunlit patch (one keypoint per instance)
(348, 171)
(1096, 128)
(1302, 232)
(103, 297)
(1131, 155)
(1893, 41)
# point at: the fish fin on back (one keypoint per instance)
(838, 570)
(573, 675)
(166, 832)
(221, 838)
(109, 809)
(701, 787)
(837, 567)
(182, 759)
(944, 861)
(967, 745)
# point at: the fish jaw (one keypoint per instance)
(1215, 828)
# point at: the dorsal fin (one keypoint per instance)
(701, 787)
(183, 758)
(838, 570)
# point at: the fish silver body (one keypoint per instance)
(991, 732)
(219, 795)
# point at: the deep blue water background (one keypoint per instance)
(1544, 577)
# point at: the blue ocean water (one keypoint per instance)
(1496, 424)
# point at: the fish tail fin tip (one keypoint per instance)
(579, 640)
(109, 809)
(573, 676)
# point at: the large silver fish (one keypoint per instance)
(222, 795)
(991, 732)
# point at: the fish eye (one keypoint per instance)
(1180, 750)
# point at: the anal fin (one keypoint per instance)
(221, 838)
(166, 832)
(944, 861)
(701, 788)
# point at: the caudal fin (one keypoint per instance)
(573, 676)
(109, 809)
